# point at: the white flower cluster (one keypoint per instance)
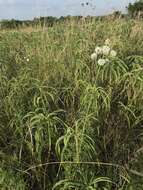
(103, 54)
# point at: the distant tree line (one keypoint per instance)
(134, 10)
(12, 24)
(48, 21)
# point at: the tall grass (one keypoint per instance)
(65, 122)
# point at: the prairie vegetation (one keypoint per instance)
(66, 122)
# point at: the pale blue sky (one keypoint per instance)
(28, 9)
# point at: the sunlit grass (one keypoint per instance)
(65, 121)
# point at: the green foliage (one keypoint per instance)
(65, 121)
(8, 180)
(135, 8)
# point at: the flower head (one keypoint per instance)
(93, 56)
(113, 53)
(102, 62)
(27, 59)
(106, 50)
(98, 50)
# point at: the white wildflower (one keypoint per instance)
(106, 50)
(107, 42)
(27, 60)
(98, 50)
(102, 62)
(113, 53)
(93, 56)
